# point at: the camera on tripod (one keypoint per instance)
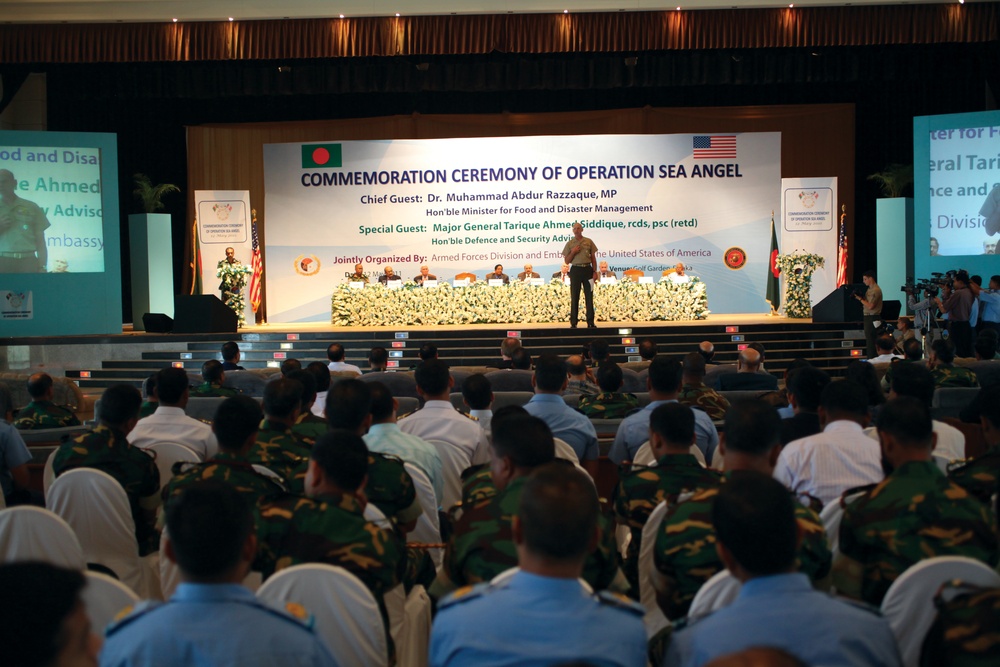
(928, 286)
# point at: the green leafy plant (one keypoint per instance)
(151, 195)
(894, 180)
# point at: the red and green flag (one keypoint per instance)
(773, 286)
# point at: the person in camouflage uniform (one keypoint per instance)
(685, 555)
(41, 412)
(610, 403)
(106, 448)
(914, 513)
(277, 447)
(307, 425)
(946, 374)
(213, 376)
(696, 394)
(981, 476)
(967, 630)
(642, 488)
(482, 545)
(235, 426)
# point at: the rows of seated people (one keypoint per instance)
(785, 503)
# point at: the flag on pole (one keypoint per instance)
(256, 264)
(773, 287)
(196, 277)
(842, 249)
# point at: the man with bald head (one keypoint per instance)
(707, 350)
(678, 276)
(388, 275)
(528, 273)
(746, 376)
(580, 378)
(425, 274)
(22, 230)
(41, 412)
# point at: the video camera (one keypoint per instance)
(930, 286)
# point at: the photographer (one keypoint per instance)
(958, 307)
(923, 311)
(871, 308)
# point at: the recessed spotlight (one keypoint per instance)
(791, 6)
(678, 7)
(961, 2)
(565, 11)
(397, 14)
(230, 18)
(341, 16)
(174, 20)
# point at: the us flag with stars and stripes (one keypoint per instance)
(257, 266)
(715, 147)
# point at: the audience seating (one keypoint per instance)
(831, 516)
(400, 383)
(975, 441)
(97, 508)
(712, 372)
(51, 436)
(169, 453)
(565, 451)
(504, 398)
(428, 528)
(203, 408)
(513, 380)
(346, 613)
(413, 643)
(33, 533)
(48, 473)
(248, 382)
(407, 405)
(654, 618)
(572, 400)
(718, 592)
(949, 401)
(734, 396)
(908, 604)
(104, 598)
(632, 382)
(64, 390)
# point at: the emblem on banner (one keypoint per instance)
(735, 258)
(222, 211)
(808, 199)
(307, 265)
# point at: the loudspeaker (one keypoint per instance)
(157, 323)
(840, 305)
(890, 311)
(203, 313)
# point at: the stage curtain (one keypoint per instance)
(620, 32)
(817, 140)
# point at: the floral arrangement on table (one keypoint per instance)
(518, 302)
(796, 270)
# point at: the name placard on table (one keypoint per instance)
(495, 282)
(430, 283)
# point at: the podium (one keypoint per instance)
(203, 313)
(840, 305)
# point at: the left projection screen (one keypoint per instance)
(59, 216)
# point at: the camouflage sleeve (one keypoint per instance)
(685, 552)
(603, 566)
(391, 489)
(814, 557)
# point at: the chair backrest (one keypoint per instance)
(464, 275)
(400, 383)
(512, 380)
(718, 592)
(458, 401)
(169, 453)
(908, 605)
(949, 401)
(104, 597)
(97, 508)
(347, 616)
(203, 407)
(565, 451)
(428, 528)
(454, 461)
(831, 516)
(48, 472)
(33, 533)
(634, 274)
(667, 272)
(572, 400)
(632, 382)
(975, 441)
(51, 435)
(250, 383)
(737, 395)
(505, 398)
(407, 404)
(654, 618)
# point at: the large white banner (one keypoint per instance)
(465, 205)
(810, 222)
(223, 222)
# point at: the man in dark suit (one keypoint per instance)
(498, 274)
(527, 274)
(746, 376)
(604, 272)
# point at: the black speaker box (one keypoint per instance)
(203, 313)
(840, 305)
(157, 323)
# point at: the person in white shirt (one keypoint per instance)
(335, 353)
(884, 345)
(678, 276)
(916, 381)
(442, 425)
(840, 457)
(169, 423)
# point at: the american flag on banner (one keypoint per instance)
(256, 264)
(715, 147)
(842, 252)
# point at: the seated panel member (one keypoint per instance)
(562, 274)
(212, 619)
(678, 276)
(542, 615)
(604, 272)
(498, 274)
(359, 275)
(388, 275)
(527, 274)
(425, 274)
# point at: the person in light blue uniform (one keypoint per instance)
(543, 615)
(777, 607)
(212, 620)
(664, 384)
(567, 424)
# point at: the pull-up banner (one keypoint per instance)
(648, 202)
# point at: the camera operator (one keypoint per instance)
(871, 309)
(923, 311)
(989, 306)
(958, 307)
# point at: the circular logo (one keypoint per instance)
(735, 258)
(307, 265)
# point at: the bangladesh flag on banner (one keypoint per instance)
(321, 156)
(773, 287)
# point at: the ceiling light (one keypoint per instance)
(230, 18)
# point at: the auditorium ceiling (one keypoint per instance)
(109, 11)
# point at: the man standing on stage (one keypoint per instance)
(581, 255)
(234, 278)
(871, 309)
(22, 231)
